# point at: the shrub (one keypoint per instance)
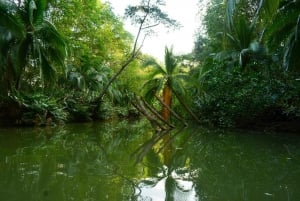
(235, 98)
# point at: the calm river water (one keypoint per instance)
(123, 160)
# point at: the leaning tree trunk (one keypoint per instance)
(135, 51)
(172, 111)
(181, 101)
(154, 112)
(167, 99)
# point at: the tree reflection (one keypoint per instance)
(74, 163)
(170, 178)
(118, 161)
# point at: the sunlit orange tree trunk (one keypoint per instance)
(167, 99)
(164, 79)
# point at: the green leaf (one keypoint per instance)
(47, 70)
(151, 88)
(10, 22)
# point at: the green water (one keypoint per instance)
(129, 161)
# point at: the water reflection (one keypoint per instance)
(172, 179)
(73, 164)
(119, 161)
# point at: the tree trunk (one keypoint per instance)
(186, 107)
(172, 111)
(135, 51)
(142, 110)
(154, 112)
(167, 99)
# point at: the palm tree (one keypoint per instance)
(274, 23)
(11, 29)
(243, 30)
(171, 164)
(33, 40)
(165, 78)
(282, 34)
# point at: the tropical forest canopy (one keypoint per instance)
(71, 60)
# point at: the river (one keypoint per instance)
(121, 160)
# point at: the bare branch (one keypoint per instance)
(146, 16)
(151, 26)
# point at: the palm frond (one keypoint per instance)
(31, 7)
(268, 9)
(53, 43)
(291, 59)
(177, 86)
(170, 60)
(156, 68)
(230, 8)
(50, 34)
(181, 76)
(47, 70)
(48, 40)
(151, 88)
(284, 30)
(231, 41)
(39, 11)
(20, 55)
(9, 21)
(282, 24)
(244, 32)
(240, 36)
(5, 41)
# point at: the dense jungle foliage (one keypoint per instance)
(60, 60)
(248, 73)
